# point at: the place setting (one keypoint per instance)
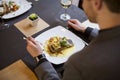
(58, 43)
(12, 8)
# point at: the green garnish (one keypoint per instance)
(33, 16)
(10, 3)
(63, 42)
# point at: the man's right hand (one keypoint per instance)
(33, 47)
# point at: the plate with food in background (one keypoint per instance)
(14, 8)
(59, 44)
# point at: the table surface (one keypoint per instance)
(12, 45)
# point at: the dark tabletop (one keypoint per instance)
(12, 45)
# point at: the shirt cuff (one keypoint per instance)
(41, 61)
(88, 31)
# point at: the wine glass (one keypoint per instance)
(2, 24)
(65, 4)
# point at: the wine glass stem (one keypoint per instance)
(65, 13)
(1, 20)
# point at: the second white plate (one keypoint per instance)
(24, 7)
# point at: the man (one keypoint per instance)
(100, 60)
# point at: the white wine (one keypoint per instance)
(66, 3)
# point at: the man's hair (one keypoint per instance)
(113, 5)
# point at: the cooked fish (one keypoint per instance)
(57, 44)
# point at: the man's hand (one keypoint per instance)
(74, 23)
(33, 47)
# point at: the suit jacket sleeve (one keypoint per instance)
(45, 71)
(91, 33)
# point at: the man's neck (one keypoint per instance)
(108, 20)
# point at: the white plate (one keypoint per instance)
(24, 7)
(62, 32)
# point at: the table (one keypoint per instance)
(12, 45)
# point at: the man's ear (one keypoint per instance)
(97, 4)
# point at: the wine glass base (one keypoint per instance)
(4, 26)
(36, 0)
(65, 17)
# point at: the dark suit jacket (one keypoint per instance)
(99, 61)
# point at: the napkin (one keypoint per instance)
(28, 30)
(17, 71)
(87, 23)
